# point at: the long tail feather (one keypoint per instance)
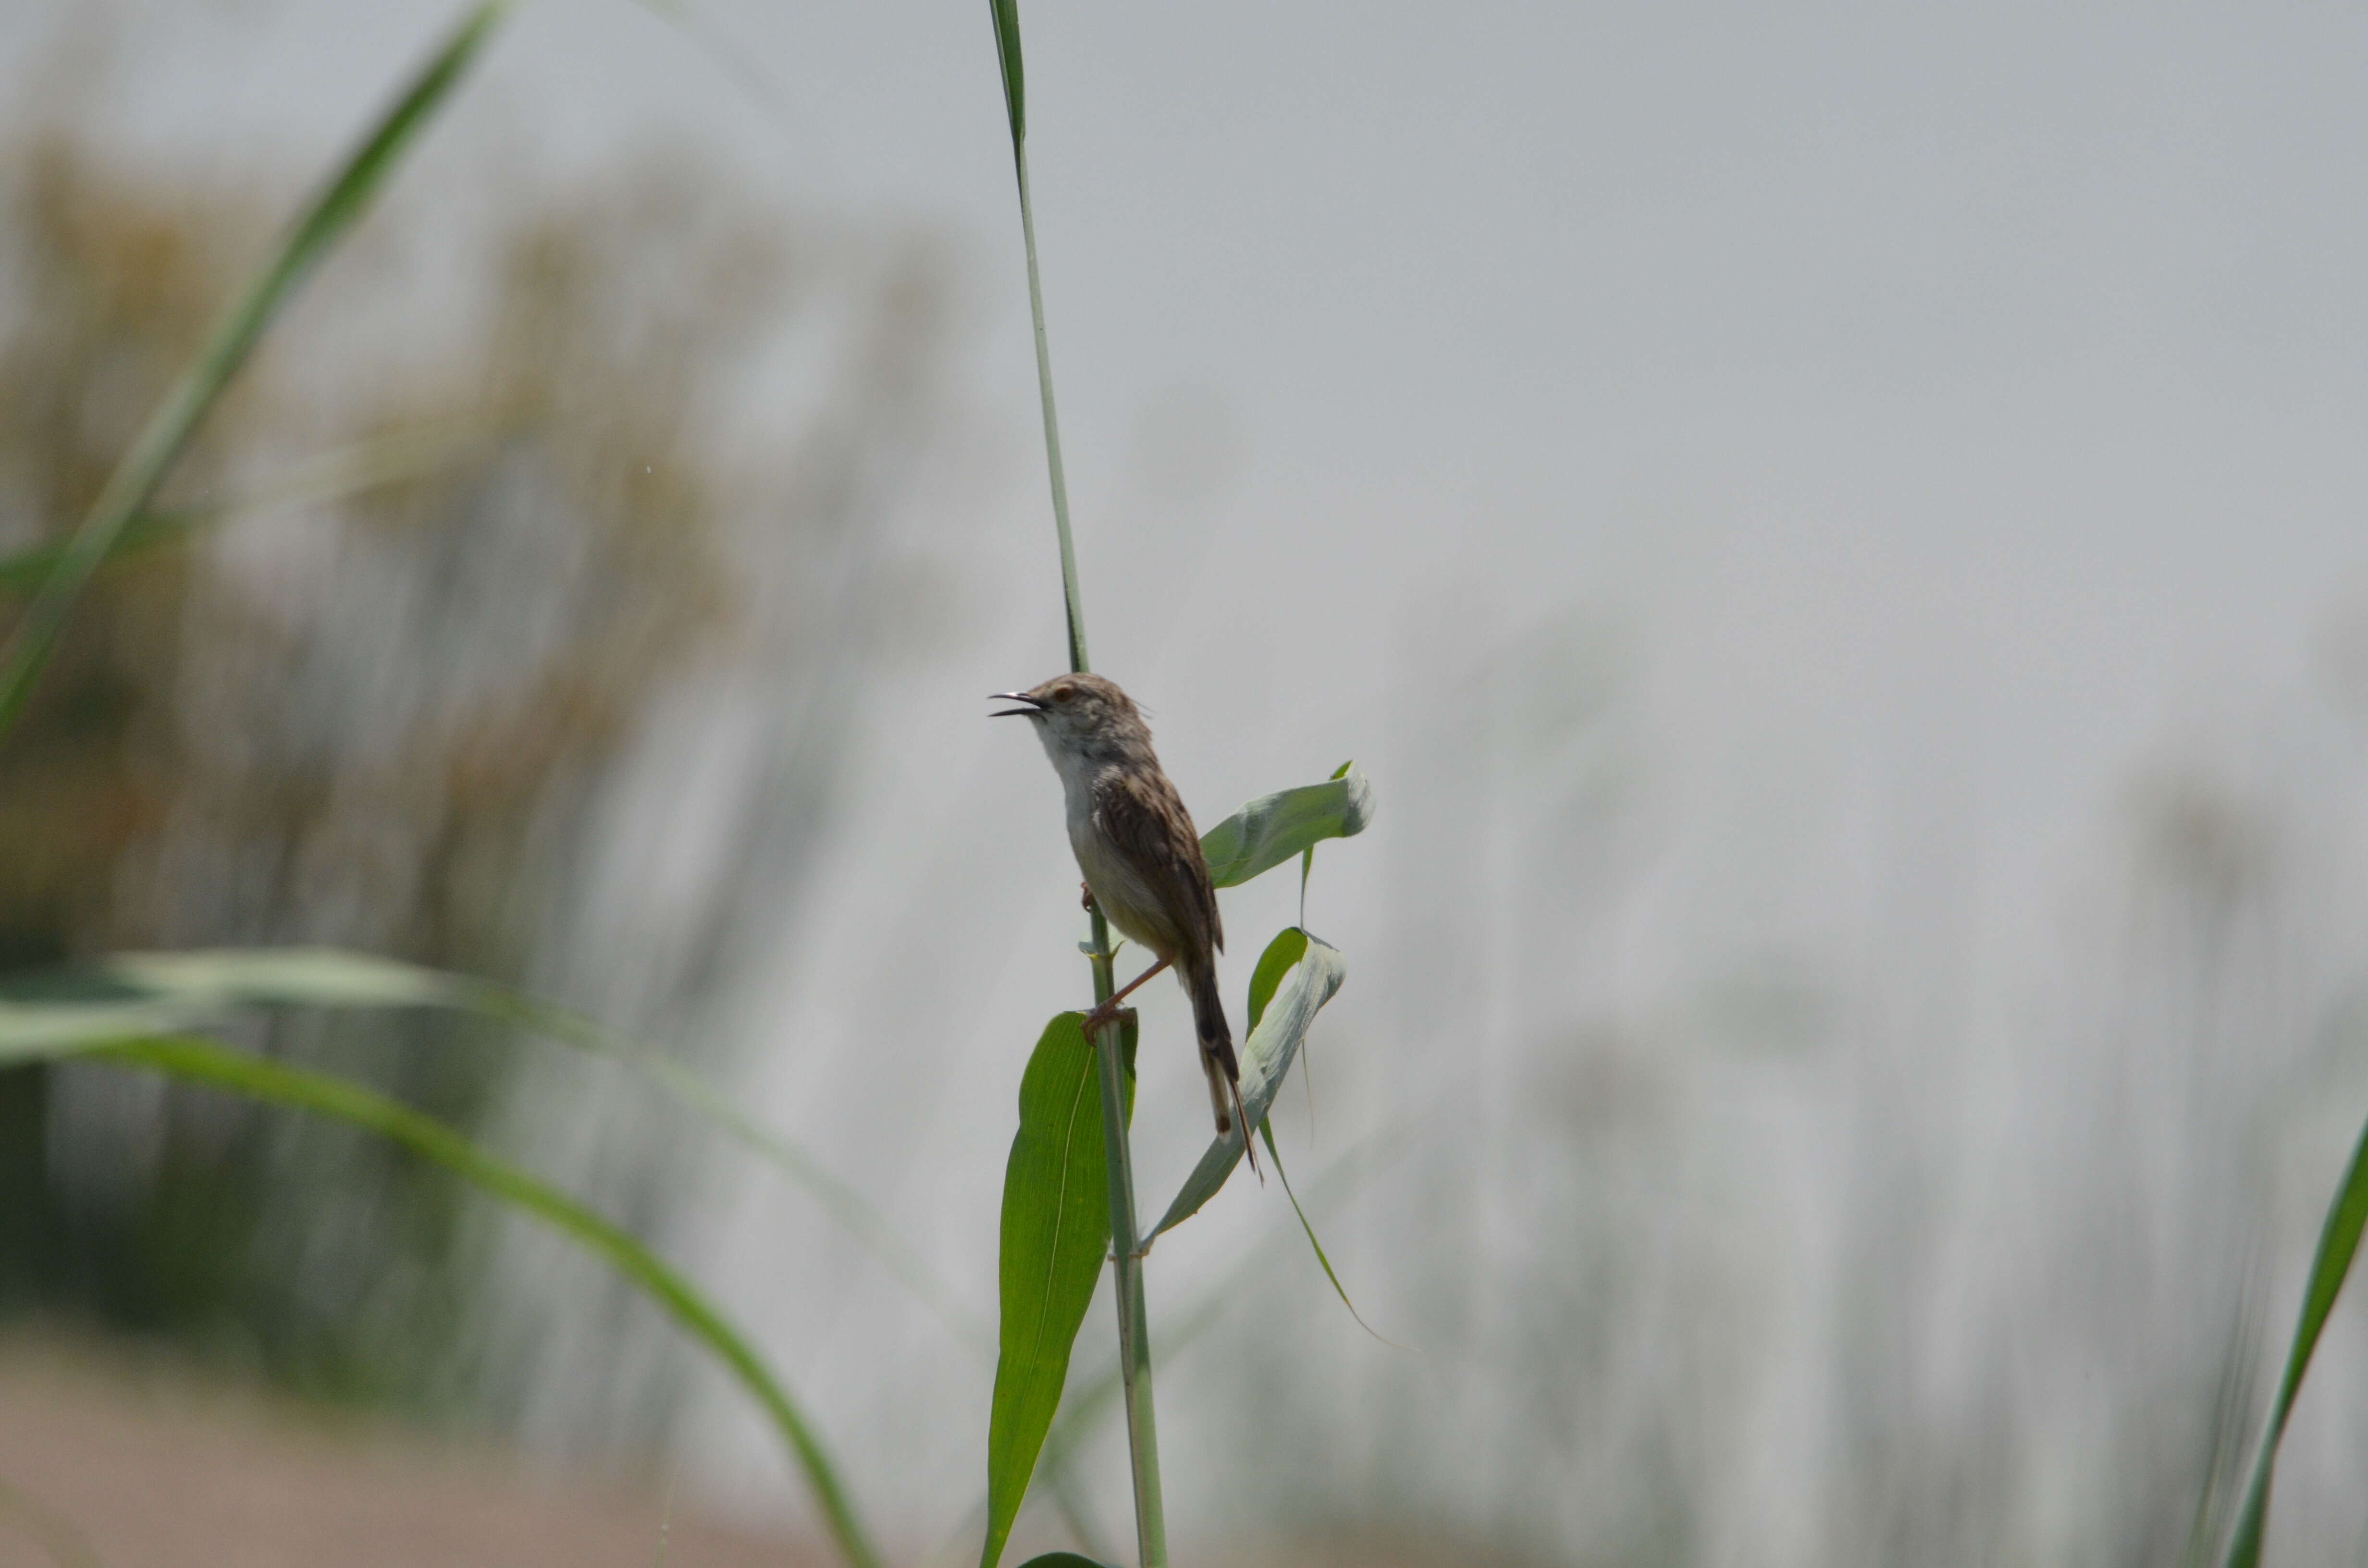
(1217, 1059)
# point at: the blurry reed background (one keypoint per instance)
(405, 718)
(1838, 539)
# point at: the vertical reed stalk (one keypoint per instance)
(1070, 601)
(1126, 1256)
(1126, 1260)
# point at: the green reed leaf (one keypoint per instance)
(2339, 1240)
(1266, 1056)
(325, 221)
(200, 1061)
(1091, 1401)
(1274, 828)
(1056, 1235)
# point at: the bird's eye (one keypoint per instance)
(1060, 697)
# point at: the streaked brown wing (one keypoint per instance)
(1144, 820)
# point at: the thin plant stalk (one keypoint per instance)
(1126, 1262)
(1126, 1254)
(1072, 601)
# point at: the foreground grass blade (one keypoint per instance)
(1266, 1056)
(363, 465)
(165, 993)
(198, 1061)
(1056, 1233)
(332, 213)
(1274, 828)
(2337, 1241)
(23, 571)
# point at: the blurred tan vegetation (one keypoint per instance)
(382, 707)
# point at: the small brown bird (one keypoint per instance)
(1135, 842)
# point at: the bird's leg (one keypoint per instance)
(1104, 1012)
(1086, 897)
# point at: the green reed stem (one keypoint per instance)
(1126, 1258)
(1070, 598)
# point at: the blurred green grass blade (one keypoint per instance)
(1266, 1056)
(346, 471)
(161, 993)
(2337, 1241)
(316, 231)
(1056, 1235)
(294, 977)
(850, 1208)
(23, 571)
(1274, 828)
(200, 1061)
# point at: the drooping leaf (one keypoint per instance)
(44, 1011)
(332, 213)
(1056, 1233)
(1266, 1130)
(206, 1062)
(2339, 1240)
(1287, 948)
(1273, 828)
(1266, 1058)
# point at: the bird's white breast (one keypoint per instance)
(1118, 887)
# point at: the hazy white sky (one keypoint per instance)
(2013, 354)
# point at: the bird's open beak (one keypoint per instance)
(1030, 709)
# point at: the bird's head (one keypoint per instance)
(1079, 714)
